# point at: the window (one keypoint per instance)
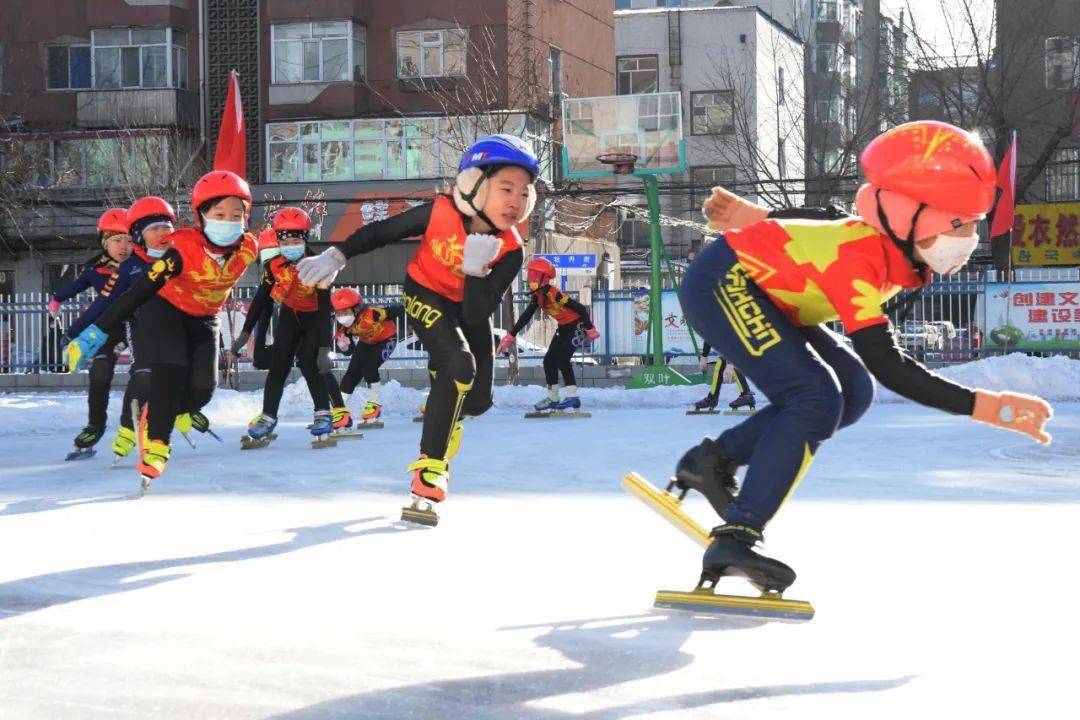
(321, 51)
(67, 67)
(103, 161)
(635, 233)
(704, 179)
(637, 74)
(1063, 175)
(431, 53)
(826, 10)
(825, 57)
(555, 79)
(828, 111)
(1062, 63)
(377, 148)
(138, 58)
(712, 113)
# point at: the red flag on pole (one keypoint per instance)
(1006, 180)
(231, 152)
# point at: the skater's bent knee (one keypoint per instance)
(858, 396)
(462, 367)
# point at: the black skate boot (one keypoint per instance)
(745, 399)
(706, 469)
(89, 437)
(731, 553)
(706, 403)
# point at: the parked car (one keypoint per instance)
(919, 336)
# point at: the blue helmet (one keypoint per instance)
(501, 150)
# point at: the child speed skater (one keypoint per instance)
(469, 255)
(369, 334)
(761, 292)
(179, 299)
(303, 330)
(574, 327)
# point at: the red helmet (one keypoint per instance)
(345, 298)
(113, 221)
(935, 163)
(268, 245)
(540, 270)
(291, 219)
(219, 184)
(149, 206)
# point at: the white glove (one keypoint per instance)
(321, 269)
(480, 250)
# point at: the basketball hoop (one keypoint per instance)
(623, 162)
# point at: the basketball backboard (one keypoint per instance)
(647, 125)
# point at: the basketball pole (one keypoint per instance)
(656, 372)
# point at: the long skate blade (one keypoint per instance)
(702, 412)
(556, 414)
(769, 605)
(248, 443)
(323, 442)
(373, 425)
(418, 418)
(740, 412)
(414, 514)
(144, 484)
(189, 440)
(214, 435)
(84, 454)
(667, 506)
(347, 434)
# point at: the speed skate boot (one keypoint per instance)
(372, 411)
(731, 554)
(85, 442)
(708, 470)
(260, 432)
(342, 419)
(706, 403)
(429, 483)
(152, 461)
(745, 399)
(321, 428)
(123, 443)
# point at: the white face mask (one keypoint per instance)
(346, 320)
(949, 253)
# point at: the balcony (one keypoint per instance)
(160, 107)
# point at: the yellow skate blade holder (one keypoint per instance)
(770, 606)
(667, 506)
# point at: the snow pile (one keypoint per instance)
(1055, 378)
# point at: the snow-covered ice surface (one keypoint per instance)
(940, 556)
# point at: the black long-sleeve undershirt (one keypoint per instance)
(906, 376)
(411, 223)
(144, 288)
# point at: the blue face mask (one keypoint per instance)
(222, 232)
(292, 253)
(155, 253)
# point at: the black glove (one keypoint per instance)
(323, 361)
(240, 341)
(260, 359)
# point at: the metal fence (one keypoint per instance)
(943, 326)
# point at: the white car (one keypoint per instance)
(410, 353)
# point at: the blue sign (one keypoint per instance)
(573, 264)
